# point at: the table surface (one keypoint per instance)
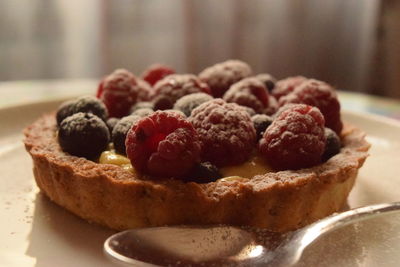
(24, 92)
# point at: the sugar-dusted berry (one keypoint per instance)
(176, 86)
(295, 139)
(267, 79)
(121, 130)
(204, 172)
(156, 72)
(333, 144)
(226, 132)
(84, 135)
(261, 123)
(321, 95)
(286, 86)
(189, 102)
(163, 144)
(119, 91)
(249, 92)
(222, 75)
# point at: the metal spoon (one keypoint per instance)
(218, 245)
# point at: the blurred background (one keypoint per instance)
(354, 45)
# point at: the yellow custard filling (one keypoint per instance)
(254, 166)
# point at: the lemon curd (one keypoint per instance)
(254, 166)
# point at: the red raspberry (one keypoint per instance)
(118, 91)
(221, 76)
(175, 86)
(321, 95)
(286, 86)
(163, 144)
(295, 139)
(249, 92)
(156, 72)
(144, 90)
(226, 132)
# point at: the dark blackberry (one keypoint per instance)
(143, 112)
(83, 135)
(204, 172)
(261, 123)
(111, 122)
(65, 110)
(85, 104)
(189, 102)
(120, 131)
(333, 144)
(267, 79)
(140, 105)
(162, 103)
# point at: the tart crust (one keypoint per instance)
(111, 196)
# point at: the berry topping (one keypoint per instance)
(156, 72)
(85, 104)
(163, 144)
(222, 75)
(144, 90)
(261, 123)
(249, 92)
(143, 112)
(120, 131)
(119, 91)
(267, 79)
(332, 146)
(84, 135)
(111, 122)
(286, 86)
(140, 105)
(189, 102)
(226, 132)
(321, 95)
(177, 85)
(204, 172)
(162, 102)
(295, 139)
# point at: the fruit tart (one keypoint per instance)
(222, 147)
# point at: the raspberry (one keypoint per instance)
(204, 172)
(85, 104)
(226, 132)
(295, 139)
(121, 130)
(175, 86)
(118, 91)
(333, 144)
(321, 95)
(163, 144)
(267, 79)
(286, 86)
(261, 123)
(83, 135)
(144, 90)
(249, 92)
(189, 102)
(222, 75)
(156, 72)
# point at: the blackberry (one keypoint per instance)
(332, 146)
(143, 104)
(189, 102)
(204, 172)
(143, 112)
(83, 135)
(267, 79)
(111, 122)
(162, 103)
(261, 123)
(85, 104)
(120, 131)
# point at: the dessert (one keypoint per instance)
(207, 162)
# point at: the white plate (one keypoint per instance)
(36, 232)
